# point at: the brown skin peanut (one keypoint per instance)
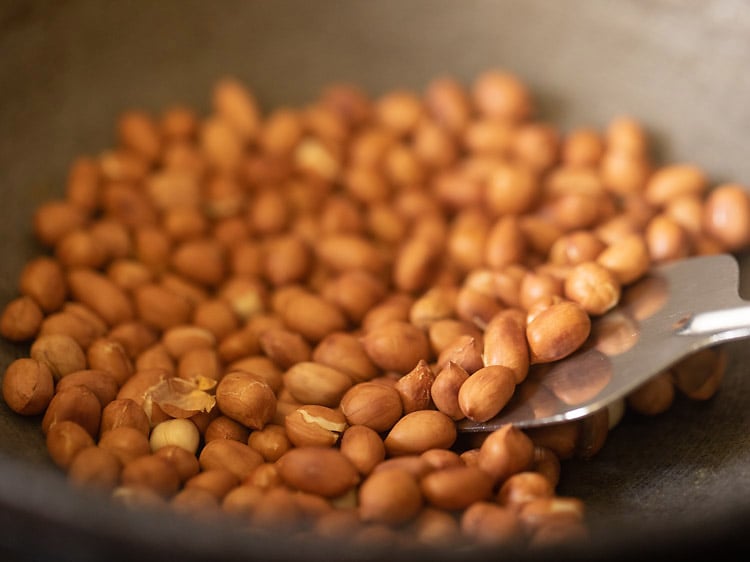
(43, 280)
(153, 473)
(185, 462)
(345, 352)
(557, 331)
(271, 442)
(101, 383)
(312, 383)
(76, 403)
(326, 472)
(389, 496)
(224, 427)
(61, 353)
(699, 375)
(124, 412)
(127, 443)
(237, 457)
(95, 467)
(314, 426)
(727, 216)
(65, 440)
(28, 386)
(523, 487)
(419, 431)
(246, 398)
(363, 447)
(371, 404)
(505, 343)
(486, 392)
(456, 488)
(505, 452)
(21, 319)
(445, 389)
(653, 397)
(489, 523)
(109, 355)
(102, 295)
(396, 346)
(414, 388)
(593, 287)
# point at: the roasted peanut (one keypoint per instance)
(419, 431)
(326, 472)
(28, 386)
(389, 496)
(486, 392)
(557, 331)
(371, 404)
(246, 398)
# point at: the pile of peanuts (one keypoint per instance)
(280, 318)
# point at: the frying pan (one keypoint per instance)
(675, 484)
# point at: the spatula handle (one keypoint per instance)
(728, 320)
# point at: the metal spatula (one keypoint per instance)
(678, 309)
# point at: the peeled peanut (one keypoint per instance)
(180, 432)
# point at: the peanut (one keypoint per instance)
(28, 386)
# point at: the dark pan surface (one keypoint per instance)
(675, 484)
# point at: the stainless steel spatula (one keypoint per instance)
(678, 309)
